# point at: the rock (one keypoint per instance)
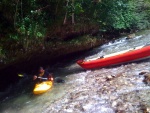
(110, 77)
(147, 79)
(143, 73)
(145, 108)
(130, 36)
(113, 98)
(114, 104)
(79, 107)
(59, 80)
(120, 111)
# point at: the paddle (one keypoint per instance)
(43, 78)
(57, 79)
(22, 75)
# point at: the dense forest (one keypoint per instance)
(28, 26)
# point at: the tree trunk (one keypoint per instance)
(65, 19)
(73, 21)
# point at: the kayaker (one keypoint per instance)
(43, 75)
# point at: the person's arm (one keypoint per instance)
(50, 77)
(34, 77)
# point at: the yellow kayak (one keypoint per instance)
(43, 87)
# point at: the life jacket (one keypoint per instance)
(41, 74)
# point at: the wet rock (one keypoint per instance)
(112, 97)
(145, 108)
(120, 111)
(114, 104)
(148, 109)
(79, 107)
(147, 79)
(120, 74)
(143, 72)
(59, 80)
(110, 77)
(130, 36)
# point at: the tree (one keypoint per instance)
(65, 19)
(120, 14)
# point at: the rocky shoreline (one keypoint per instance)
(115, 90)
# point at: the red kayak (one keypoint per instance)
(132, 54)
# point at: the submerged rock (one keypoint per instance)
(59, 80)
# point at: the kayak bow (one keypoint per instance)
(43, 87)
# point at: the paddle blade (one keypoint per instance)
(20, 75)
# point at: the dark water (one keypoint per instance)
(106, 90)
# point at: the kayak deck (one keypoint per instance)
(43, 87)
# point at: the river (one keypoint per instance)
(115, 89)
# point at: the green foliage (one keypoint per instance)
(32, 24)
(114, 15)
(119, 14)
(75, 8)
(13, 37)
(31, 28)
(142, 17)
(78, 8)
(110, 14)
(29, 19)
